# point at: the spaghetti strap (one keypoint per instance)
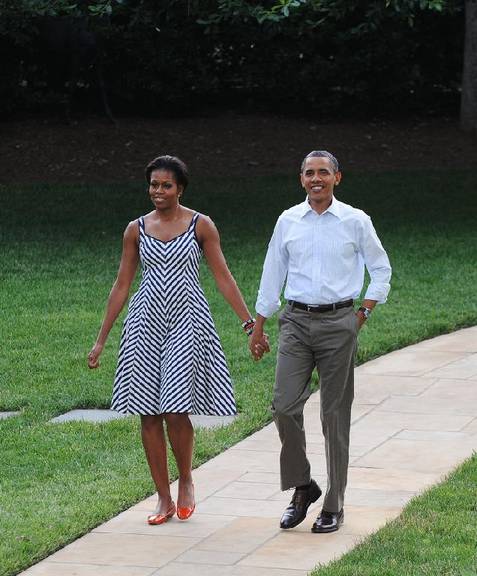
(193, 227)
(141, 224)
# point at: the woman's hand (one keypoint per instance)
(93, 356)
(258, 344)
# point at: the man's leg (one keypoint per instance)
(295, 364)
(334, 340)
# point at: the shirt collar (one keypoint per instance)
(334, 208)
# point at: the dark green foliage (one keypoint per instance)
(325, 58)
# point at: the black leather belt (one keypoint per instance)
(321, 307)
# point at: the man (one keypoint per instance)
(321, 247)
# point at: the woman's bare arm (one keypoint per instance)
(120, 290)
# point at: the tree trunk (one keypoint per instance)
(468, 110)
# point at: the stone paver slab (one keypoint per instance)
(377, 498)
(374, 388)
(265, 442)
(248, 490)
(471, 427)
(242, 535)
(432, 435)
(206, 483)
(300, 550)
(220, 557)
(241, 507)
(455, 391)
(427, 405)
(410, 362)
(244, 461)
(383, 419)
(47, 568)
(418, 455)
(134, 522)
(465, 369)
(464, 340)
(363, 520)
(187, 569)
(390, 479)
(258, 571)
(124, 549)
(261, 477)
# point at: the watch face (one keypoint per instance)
(366, 312)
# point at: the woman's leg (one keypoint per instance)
(154, 442)
(181, 437)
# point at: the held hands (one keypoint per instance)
(93, 356)
(258, 344)
(361, 320)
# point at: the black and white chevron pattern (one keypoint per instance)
(170, 356)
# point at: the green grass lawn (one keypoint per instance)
(436, 535)
(60, 251)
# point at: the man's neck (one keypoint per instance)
(320, 207)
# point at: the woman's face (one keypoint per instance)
(163, 189)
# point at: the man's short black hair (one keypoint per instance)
(322, 154)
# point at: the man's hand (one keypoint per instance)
(259, 344)
(361, 320)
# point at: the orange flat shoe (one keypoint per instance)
(156, 519)
(185, 513)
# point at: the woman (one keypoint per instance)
(171, 363)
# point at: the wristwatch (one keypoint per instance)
(366, 311)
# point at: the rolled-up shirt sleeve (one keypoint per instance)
(273, 275)
(377, 263)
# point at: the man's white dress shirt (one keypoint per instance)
(322, 257)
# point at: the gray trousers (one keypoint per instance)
(327, 341)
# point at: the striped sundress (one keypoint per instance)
(170, 356)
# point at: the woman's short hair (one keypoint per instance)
(172, 164)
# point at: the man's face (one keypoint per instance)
(318, 179)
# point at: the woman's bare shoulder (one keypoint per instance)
(131, 231)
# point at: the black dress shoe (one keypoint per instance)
(328, 522)
(296, 511)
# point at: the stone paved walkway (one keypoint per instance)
(414, 419)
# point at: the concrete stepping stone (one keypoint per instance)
(90, 415)
(96, 415)
(4, 415)
(201, 421)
